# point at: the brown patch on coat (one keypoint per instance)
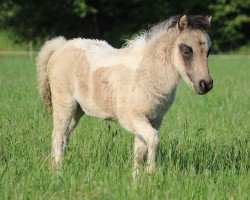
(107, 83)
(82, 71)
(103, 90)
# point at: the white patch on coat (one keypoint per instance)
(101, 54)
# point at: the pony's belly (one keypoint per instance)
(93, 110)
(89, 104)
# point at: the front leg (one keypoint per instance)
(140, 151)
(144, 130)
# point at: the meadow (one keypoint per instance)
(203, 154)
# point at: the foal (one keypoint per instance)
(134, 85)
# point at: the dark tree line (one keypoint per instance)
(117, 20)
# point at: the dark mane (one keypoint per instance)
(194, 22)
(198, 22)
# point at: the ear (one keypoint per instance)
(183, 22)
(208, 19)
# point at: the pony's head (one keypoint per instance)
(191, 50)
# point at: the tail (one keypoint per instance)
(42, 73)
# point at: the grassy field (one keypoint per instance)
(204, 149)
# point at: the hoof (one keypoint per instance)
(135, 173)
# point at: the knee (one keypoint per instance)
(140, 148)
(140, 153)
(153, 139)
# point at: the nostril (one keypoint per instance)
(211, 80)
(210, 84)
(202, 84)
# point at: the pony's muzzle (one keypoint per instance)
(205, 86)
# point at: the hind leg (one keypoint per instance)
(63, 111)
(140, 151)
(78, 113)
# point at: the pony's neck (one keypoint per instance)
(156, 71)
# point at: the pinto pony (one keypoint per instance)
(134, 85)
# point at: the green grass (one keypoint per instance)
(204, 149)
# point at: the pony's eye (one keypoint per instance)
(185, 50)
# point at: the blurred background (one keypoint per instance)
(26, 24)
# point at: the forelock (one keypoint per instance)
(198, 22)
